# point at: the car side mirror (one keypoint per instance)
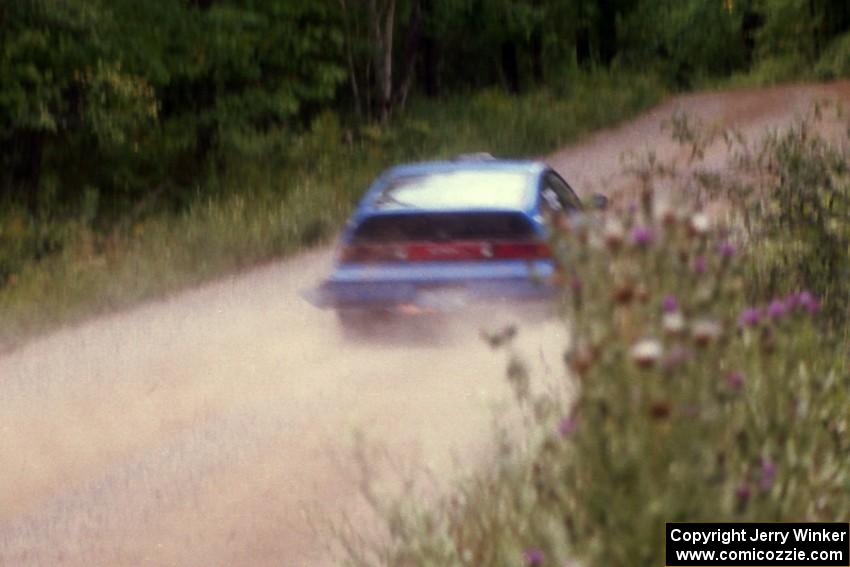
(599, 201)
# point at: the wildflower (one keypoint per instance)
(643, 236)
(777, 309)
(646, 353)
(614, 234)
(808, 301)
(670, 304)
(533, 557)
(673, 323)
(735, 380)
(700, 265)
(568, 425)
(623, 294)
(660, 410)
(726, 249)
(699, 225)
(706, 331)
(750, 317)
(768, 473)
(667, 215)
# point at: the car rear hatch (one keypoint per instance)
(439, 261)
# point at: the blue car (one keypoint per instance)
(443, 236)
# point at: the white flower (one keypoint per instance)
(705, 331)
(646, 352)
(700, 225)
(673, 323)
(614, 233)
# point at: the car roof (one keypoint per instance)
(525, 194)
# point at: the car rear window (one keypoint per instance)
(456, 189)
(444, 227)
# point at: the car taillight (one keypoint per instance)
(529, 250)
(446, 251)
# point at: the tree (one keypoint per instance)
(61, 84)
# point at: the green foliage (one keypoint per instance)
(140, 102)
(124, 96)
(790, 191)
(835, 62)
(789, 28)
(794, 193)
(686, 39)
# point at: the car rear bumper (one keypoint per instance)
(427, 297)
(436, 287)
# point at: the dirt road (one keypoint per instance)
(216, 427)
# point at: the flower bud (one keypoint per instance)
(643, 236)
(735, 380)
(673, 323)
(614, 234)
(646, 353)
(624, 293)
(670, 304)
(750, 317)
(706, 331)
(699, 225)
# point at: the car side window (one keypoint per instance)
(556, 196)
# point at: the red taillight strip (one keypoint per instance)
(453, 251)
(521, 250)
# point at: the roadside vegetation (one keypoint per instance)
(706, 379)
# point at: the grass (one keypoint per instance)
(293, 196)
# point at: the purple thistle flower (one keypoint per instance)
(742, 493)
(768, 473)
(727, 249)
(670, 304)
(643, 236)
(808, 301)
(777, 309)
(700, 265)
(750, 317)
(567, 425)
(735, 380)
(533, 557)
